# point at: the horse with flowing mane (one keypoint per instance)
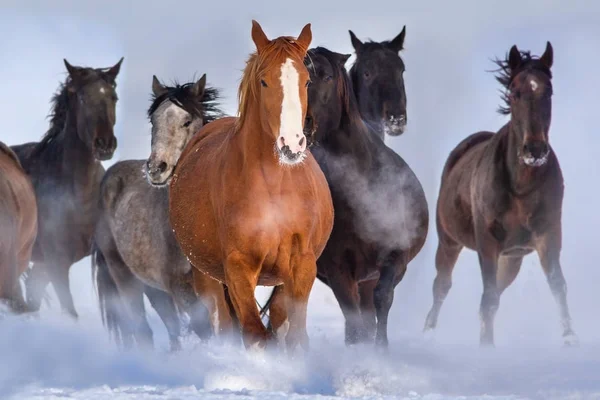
(248, 202)
(135, 251)
(65, 170)
(501, 195)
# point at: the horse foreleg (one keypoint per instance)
(241, 275)
(508, 269)
(392, 272)
(164, 305)
(212, 295)
(368, 312)
(186, 295)
(445, 260)
(36, 282)
(548, 248)
(278, 316)
(59, 276)
(297, 290)
(490, 299)
(345, 289)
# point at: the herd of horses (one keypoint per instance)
(300, 185)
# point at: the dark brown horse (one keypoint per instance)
(18, 227)
(381, 215)
(248, 202)
(65, 170)
(501, 195)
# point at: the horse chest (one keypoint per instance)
(516, 227)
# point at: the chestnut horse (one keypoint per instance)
(501, 195)
(249, 204)
(18, 227)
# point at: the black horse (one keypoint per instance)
(378, 81)
(66, 171)
(381, 214)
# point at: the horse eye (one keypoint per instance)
(366, 73)
(308, 83)
(328, 78)
(188, 123)
(263, 83)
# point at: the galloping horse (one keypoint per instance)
(248, 202)
(136, 251)
(378, 81)
(65, 170)
(381, 215)
(18, 227)
(501, 195)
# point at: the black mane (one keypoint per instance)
(505, 74)
(208, 107)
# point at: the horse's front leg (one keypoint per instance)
(488, 252)
(548, 247)
(241, 276)
(392, 272)
(297, 290)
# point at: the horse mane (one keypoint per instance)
(344, 85)
(278, 49)
(208, 108)
(505, 75)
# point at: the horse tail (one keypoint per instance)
(468, 143)
(108, 295)
(265, 307)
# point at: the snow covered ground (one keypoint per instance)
(50, 357)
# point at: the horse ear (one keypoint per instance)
(343, 58)
(514, 58)
(198, 88)
(157, 88)
(548, 57)
(357, 44)
(73, 71)
(114, 70)
(305, 37)
(397, 43)
(258, 36)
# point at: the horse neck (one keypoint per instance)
(77, 161)
(256, 147)
(523, 178)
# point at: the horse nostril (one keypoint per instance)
(100, 142)
(282, 141)
(301, 142)
(162, 167)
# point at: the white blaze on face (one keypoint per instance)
(102, 90)
(291, 128)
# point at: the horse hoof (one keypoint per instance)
(571, 340)
(429, 335)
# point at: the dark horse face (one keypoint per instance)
(529, 98)
(378, 79)
(324, 101)
(93, 97)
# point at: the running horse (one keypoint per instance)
(18, 227)
(249, 204)
(135, 251)
(501, 195)
(65, 169)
